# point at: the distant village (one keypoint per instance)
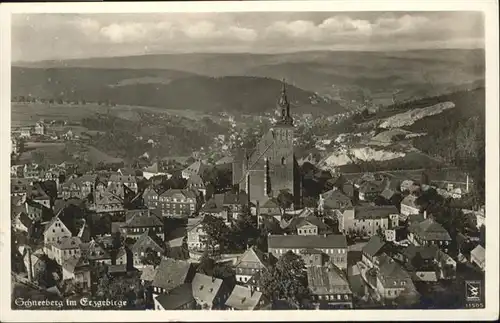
(240, 233)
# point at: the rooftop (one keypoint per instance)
(304, 242)
(205, 288)
(327, 280)
(374, 212)
(176, 297)
(243, 298)
(171, 273)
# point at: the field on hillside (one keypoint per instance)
(25, 114)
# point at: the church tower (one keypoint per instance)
(271, 167)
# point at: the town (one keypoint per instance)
(257, 230)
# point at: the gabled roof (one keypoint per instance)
(429, 230)
(176, 297)
(243, 298)
(478, 252)
(68, 243)
(336, 199)
(148, 239)
(95, 250)
(195, 180)
(254, 255)
(195, 168)
(184, 193)
(388, 193)
(271, 203)
(390, 271)
(314, 220)
(205, 288)
(327, 280)
(171, 273)
(426, 252)
(304, 242)
(142, 218)
(118, 178)
(74, 263)
(148, 273)
(25, 219)
(374, 245)
(411, 201)
(374, 212)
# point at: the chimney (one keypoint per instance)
(324, 235)
(425, 214)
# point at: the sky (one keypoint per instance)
(38, 37)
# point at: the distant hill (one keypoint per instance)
(344, 76)
(165, 89)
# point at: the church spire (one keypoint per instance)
(284, 106)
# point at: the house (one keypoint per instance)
(409, 205)
(270, 207)
(22, 222)
(209, 292)
(196, 182)
(154, 170)
(369, 190)
(106, 202)
(79, 187)
(425, 261)
(178, 298)
(119, 185)
(177, 203)
(373, 248)
(148, 274)
(235, 202)
(172, 273)
(65, 249)
(407, 185)
(392, 281)
(40, 196)
(251, 262)
(196, 237)
(477, 217)
(367, 220)
(20, 187)
(333, 247)
(78, 269)
(477, 257)
(428, 232)
(61, 226)
(151, 196)
(311, 225)
(139, 221)
(215, 207)
(246, 299)
(35, 211)
(40, 128)
(33, 263)
(333, 200)
(195, 168)
(124, 258)
(148, 240)
(96, 253)
(32, 171)
(329, 287)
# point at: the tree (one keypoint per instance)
(424, 178)
(206, 264)
(244, 232)
(286, 280)
(285, 200)
(216, 233)
(151, 257)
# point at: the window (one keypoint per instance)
(389, 292)
(339, 297)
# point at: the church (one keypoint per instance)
(271, 167)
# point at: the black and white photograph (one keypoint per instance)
(229, 160)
